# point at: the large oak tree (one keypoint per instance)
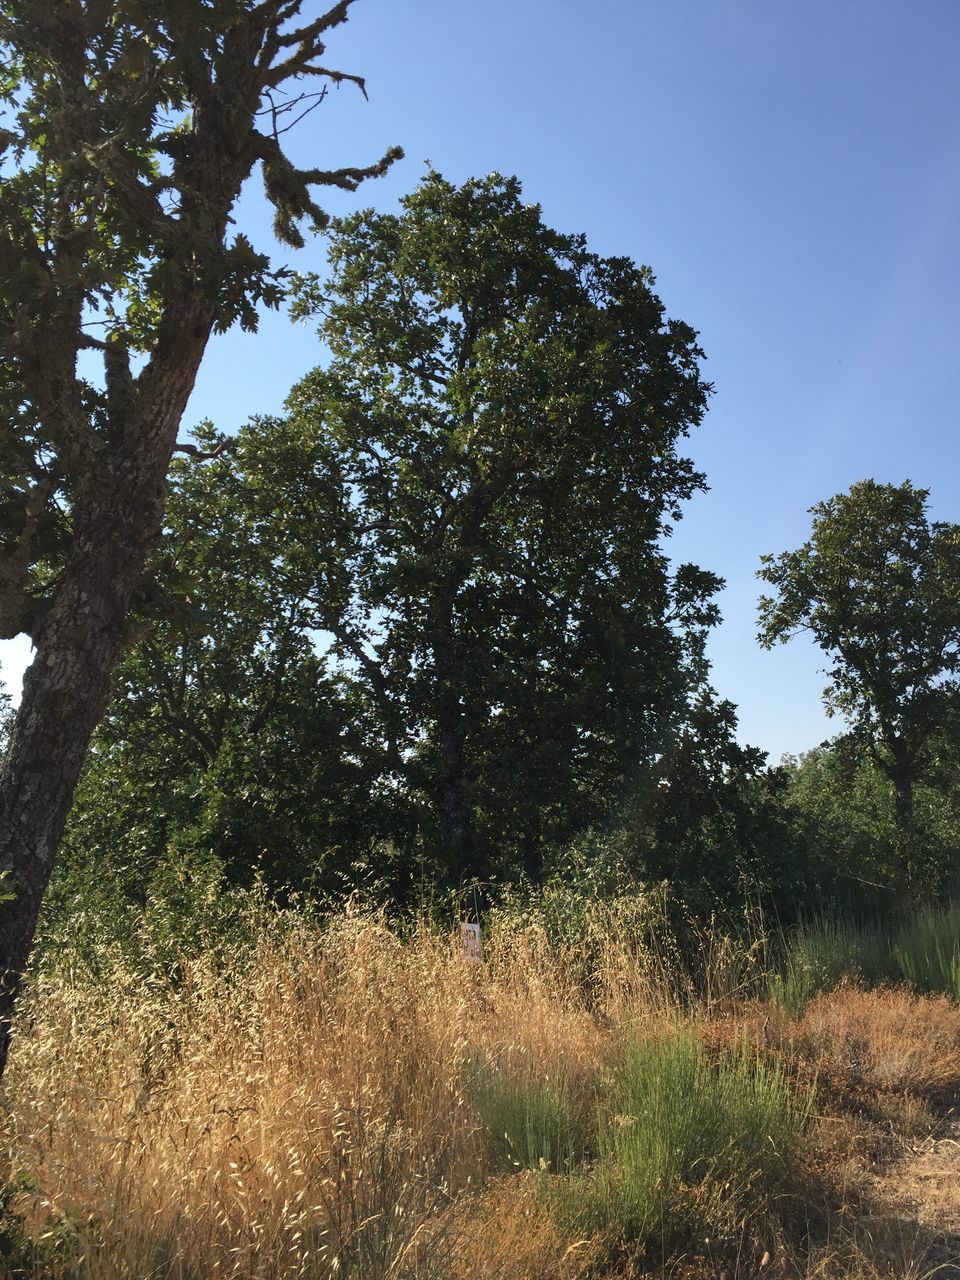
(127, 131)
(495, 440)
(464, 511)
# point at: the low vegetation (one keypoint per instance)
(601, 1095)
(921, 949)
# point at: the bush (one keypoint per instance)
(690, 1146)
(532, 1122)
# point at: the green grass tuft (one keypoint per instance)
(532, 1122)
(927, 952)
(689, 1147)
(825, 951)
(829, 949)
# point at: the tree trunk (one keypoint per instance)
(903, 801)
(117, 519)
(907, 850)
(455, 820)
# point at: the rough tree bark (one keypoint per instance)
(106, 207)
(117, 520)
(902, 774)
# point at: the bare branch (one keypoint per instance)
(200, 455)
(276, 111)
(308, 35)
(300, 65)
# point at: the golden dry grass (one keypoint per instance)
(886, 1037)
(310, 1114)
(307, 1119)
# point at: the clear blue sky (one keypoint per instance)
(790, 171)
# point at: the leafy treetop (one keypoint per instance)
(877, 586)
(126, 132)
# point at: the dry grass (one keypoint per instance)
(307, 1119)
(887, 1037)
(880, 1248)
(507, 1234)
(310, 1114)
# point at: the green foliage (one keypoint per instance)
(423, 624)
(128, 130)
(927, 952)
(228, 737)
(532, 1122)
(498, 431)
(12, 1238)
(55, 1250)
(689, 1147)
(840, 804)
(878, 587)
(711, 820)
(96, 924)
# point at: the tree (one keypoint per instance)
(227, 739)
(709, 820)
(840, 799)
(878, 588)
(128, 130)
(491, 467)
(713, 823)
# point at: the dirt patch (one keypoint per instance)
(924, 1184)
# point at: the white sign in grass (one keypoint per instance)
(470, 935)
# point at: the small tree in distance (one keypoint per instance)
(878, 587)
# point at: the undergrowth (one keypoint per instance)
(340, 1097)
(690, 1148)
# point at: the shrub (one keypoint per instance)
(531, 1122)
(690, 1146)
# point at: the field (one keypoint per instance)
(601, 1095)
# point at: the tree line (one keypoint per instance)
(421, 628)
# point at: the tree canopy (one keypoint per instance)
(878, 587)
(498, 423)
(463, 511)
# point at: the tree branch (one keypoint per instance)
(19, 610)
(276, 14)
(346, 640)
(198, 454)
